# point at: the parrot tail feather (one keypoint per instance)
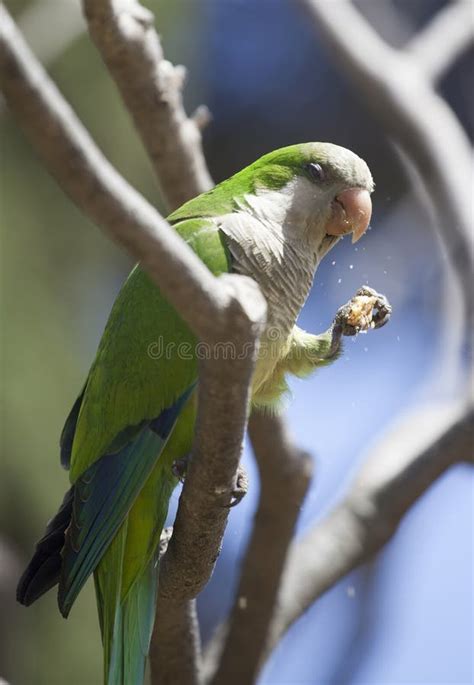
(43, 571)
(133, 626)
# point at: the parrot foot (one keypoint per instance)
(241, 487)
(367, 309)
(381, 308)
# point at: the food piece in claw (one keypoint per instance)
(360, 314)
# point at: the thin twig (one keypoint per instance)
(285, 475)
(151, 89)
(388, 484)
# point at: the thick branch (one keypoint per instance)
(175, 653)
(285, 474)
(388, 484)
(409, 109)
(151, 89)
(204, 504)
(100, 192)
(210, 479)
(438, 45)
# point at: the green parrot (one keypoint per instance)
(273, 221)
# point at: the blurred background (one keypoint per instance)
(269, 82)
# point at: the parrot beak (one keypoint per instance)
(351, 212)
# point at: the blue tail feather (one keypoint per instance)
(103, 496)
(94, 507)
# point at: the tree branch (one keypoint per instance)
(224, 394)
(230, 308)
(438, 45)
(175, 653)
(151, 88)
(285, 475)
(234, 310)
(388, 484)
(403, 100)
(83, 172)
(413, 456)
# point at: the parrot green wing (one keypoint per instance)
(145, 359)
(144, 373)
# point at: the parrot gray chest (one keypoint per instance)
(283, 268)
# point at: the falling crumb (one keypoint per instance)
(333, 263)
(339, 280)
(351, 266)
(242, 602)
(385, 272)
(351, 592)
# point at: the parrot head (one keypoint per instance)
(283, 213)
(309, 194)
(317, 192)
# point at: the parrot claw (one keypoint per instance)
(180, 466)
(241, 487)
(382, 309)
(367, 310)
(165, 537)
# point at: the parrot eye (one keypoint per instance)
(316, 172)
